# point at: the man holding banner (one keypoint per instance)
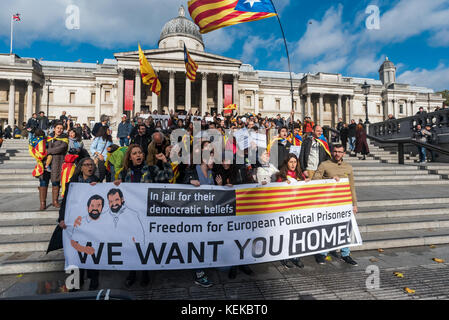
(336, 169)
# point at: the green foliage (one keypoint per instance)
(445, 94)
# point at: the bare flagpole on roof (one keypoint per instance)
(12, 26)
(288, 59)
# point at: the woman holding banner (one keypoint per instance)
(291, 170)
(201, 174)
(135, 170)
(84, 173)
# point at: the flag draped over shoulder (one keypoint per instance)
(191, 66)
(295, 140)
(211, 15)
(148, 75)
(67, 170)
(38, 150)
(322, 140)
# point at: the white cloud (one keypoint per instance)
(440, 39)
(220, 40)
(254, 43)
(325, 37)
(365, 64)
(103, 23)
(410, 18)
(437, 79)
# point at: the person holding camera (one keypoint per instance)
(156, 148)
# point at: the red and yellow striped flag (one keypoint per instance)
(191, 66)
(149, 77)
(38, 150)
(211, 15)
(281, 199)
(67, 170)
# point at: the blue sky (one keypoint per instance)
(324, 35)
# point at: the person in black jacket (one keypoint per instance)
(84, 173)
(103, 123)
(344, 133)
(351, 134)
(32, 124)
(283, 147)
(312, 153)
(44, 123)
(141, 138)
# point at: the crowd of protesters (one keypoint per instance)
(144, 155)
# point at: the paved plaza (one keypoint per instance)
(272, 281)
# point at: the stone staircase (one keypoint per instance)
(399, 206)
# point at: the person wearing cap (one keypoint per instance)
(124, 131)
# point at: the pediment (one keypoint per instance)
(177, 55)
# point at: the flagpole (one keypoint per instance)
(288, 59)
(12, 26)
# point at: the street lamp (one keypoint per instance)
(48, 83)
(366, 88)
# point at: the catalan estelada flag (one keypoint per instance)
(148, 75)
(191, 66)
(38, 150)
(281, 199)
(67, 170)
(295, 140)
(322, 140)
(211, 15)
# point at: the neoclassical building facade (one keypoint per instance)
(88, 90)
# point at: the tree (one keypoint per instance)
(445, 94)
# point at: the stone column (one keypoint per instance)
(321, 110)
(120, 93)
(38, 98)
(155, 99)
(97, 102)
(12, 103)
(309, 105)
(241, 102)
(339, 108)
(29, 110)
(114, 99)
(235, 89)
(299, 106)
(188, 103)
(203, 93)
(138, 92)
(171, 91)
(407, 109)
(395, 112)
(220, 94)
(256, 102)
(351, 108)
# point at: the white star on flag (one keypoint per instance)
(251, 2)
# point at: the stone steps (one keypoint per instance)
(387, 177)
(408, 238)
(24, 235)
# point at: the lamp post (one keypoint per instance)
(48, 83)
(366, 88)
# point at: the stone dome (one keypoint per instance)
(181, 27)
(387, 64)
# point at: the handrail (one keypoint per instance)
(399, 142)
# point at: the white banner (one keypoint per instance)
(164, 226)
